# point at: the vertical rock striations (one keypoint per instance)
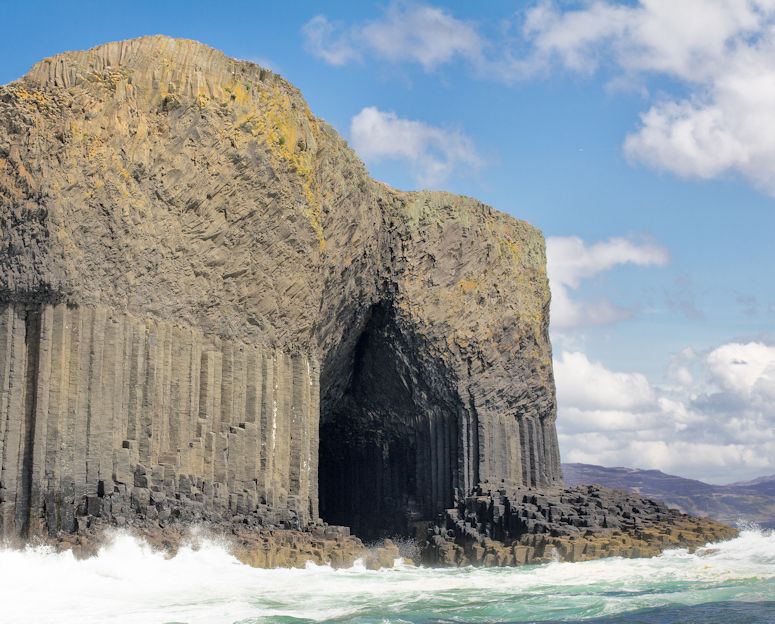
(208, 310)
(107, 416)
(449, 384)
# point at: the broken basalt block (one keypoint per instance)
(523, 527)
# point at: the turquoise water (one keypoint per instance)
(728, 583)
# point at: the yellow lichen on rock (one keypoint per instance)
(274, 117)
(32, 96)
(289, 142)
(467, 285)
(237, 93)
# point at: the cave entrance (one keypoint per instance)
(388, 433)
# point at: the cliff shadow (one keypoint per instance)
(389, 432)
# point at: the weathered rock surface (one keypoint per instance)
(527, 526)
(202, 293)
(260, 548)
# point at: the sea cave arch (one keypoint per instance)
(390, 449)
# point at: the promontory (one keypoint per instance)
(210, 313)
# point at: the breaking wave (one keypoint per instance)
(127, 582)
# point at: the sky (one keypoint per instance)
(639, 136)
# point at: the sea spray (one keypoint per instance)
(409, 549)
(128, 582)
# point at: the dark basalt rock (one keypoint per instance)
(526, 526)
(209, 312)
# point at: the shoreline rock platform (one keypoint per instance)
(486, 530)
(563, 524)
(259, 548)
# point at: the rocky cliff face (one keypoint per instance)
(209, 310)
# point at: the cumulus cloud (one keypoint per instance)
(649, 35)
(722, 52)
(406, 32)
(680, 368)
(726, 59)
(716, 421)
(590, 386)
(745, 369)
(570, 261)
(434, 153)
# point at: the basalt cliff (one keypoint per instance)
(210, 313)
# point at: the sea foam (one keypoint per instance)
(128, 582)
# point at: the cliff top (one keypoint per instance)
(154, 61)
(159, 177)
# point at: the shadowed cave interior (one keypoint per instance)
(388, 433)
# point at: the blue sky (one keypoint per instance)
(668, 294)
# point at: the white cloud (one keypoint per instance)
(422, 34)
(407, 32)
(651, 35)
(716, 424)
(570, 261)
(722, 50)
(434, 153)
(746, 369)
(679, 370)
(591, 386)
(324, 39)
(710, 462)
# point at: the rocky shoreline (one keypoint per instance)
(487, 529)
(257, 547)
(582, 523)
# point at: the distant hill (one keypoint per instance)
(764, 485)
(749, 501)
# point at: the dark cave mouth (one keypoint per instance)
(388, 437)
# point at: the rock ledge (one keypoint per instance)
(573, 524)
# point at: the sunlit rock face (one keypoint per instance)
(208, 310)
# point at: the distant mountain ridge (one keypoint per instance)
(765, 485)
(748, 501)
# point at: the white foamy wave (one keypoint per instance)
(127, 582)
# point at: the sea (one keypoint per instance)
(730, 582)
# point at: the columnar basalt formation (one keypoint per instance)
(527, 527)
(202, 294)
(107, 416)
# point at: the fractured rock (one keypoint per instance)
(498, 528)
(209, 311)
